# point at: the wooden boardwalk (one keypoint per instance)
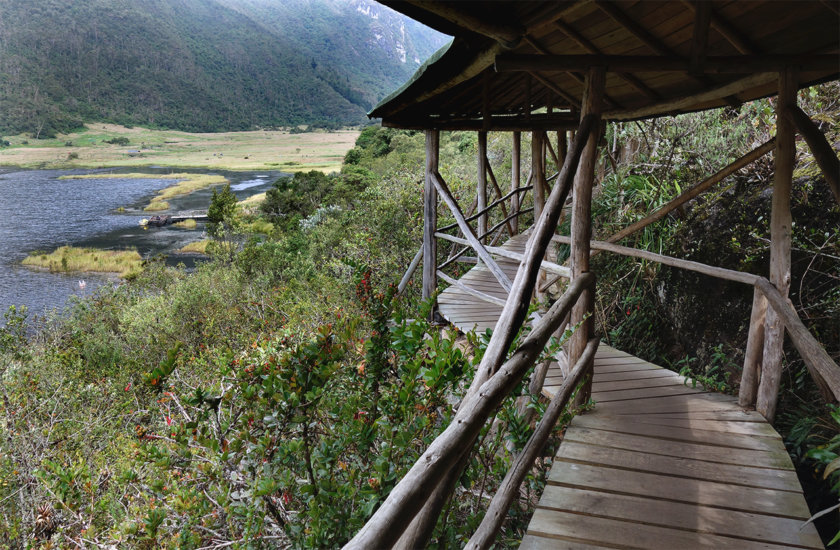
(657, 463)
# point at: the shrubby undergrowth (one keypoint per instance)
(270, 398)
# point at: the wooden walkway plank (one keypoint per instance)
(778, 459)
(676, 433)
(638, 460)
(689, 517)
(679, 489)
(625, 534)
(658, 463)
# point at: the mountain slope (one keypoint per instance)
(199, 65)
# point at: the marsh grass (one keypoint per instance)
(197, 247)
(255, 150)
(187, 183)
(187, 224)
(68, 259)
(156, 206)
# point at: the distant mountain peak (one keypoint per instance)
(201, 65)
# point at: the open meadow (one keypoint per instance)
(101, 145)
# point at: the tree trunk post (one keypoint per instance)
(755, 348)
(515, 178)
(780, 242)
(481, 191)
(538, 170)
(430, 200)
(582, 224)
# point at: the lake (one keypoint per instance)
(38, 211)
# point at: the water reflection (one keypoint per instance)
(41, 212)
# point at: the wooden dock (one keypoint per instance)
(658, 463)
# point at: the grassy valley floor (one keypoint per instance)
(137, 147)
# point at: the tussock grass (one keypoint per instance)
(187, 224)
(197, 247)
(67, 259)
(187, 183)
(156, 206)
(253, 200)
(260, 226)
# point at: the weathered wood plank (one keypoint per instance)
(695, 491)
(755, 429)
(636, 383)
(624, 534)
(689, 517)
(680, 449)
(645, 393)
(535, 542)
(677, 433)
(638, 460)
(604, 377)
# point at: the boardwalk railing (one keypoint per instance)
(387, 525)
(821, 367)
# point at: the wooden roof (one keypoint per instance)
(518, 60)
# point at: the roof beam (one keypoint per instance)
(648, 39)
(726, 30)
(506, 35)
(572, 33)
(700, 36)
(538, 121)
(743, 64)
(689, 102)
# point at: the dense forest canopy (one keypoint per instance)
(200, 65)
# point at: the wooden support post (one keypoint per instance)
(780, 242)
(755, 347)
(823, 152)
(515, 178)
(481, 191)
(582, 223)
(562, 146)
(538, 170)
(430, 200)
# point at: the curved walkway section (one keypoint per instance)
(658, 463)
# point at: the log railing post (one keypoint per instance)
(582, 223)
(481, 190)
(755, 348)
(430, 200)
(780, 242)
(515, 178)
(538, 171)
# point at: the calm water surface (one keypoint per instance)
(38, 211)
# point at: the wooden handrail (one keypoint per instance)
(510, 254)
(486, 533)
(410, 271)
(822, 368)
(474, 241)
(487, 208)
(825, 372)
(409, 495)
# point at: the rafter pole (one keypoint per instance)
(780, 243)
(581, 40)
(582, 222)
(700, 36)
(822, 150)
(727, 31)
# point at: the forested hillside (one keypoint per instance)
(200, 65)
